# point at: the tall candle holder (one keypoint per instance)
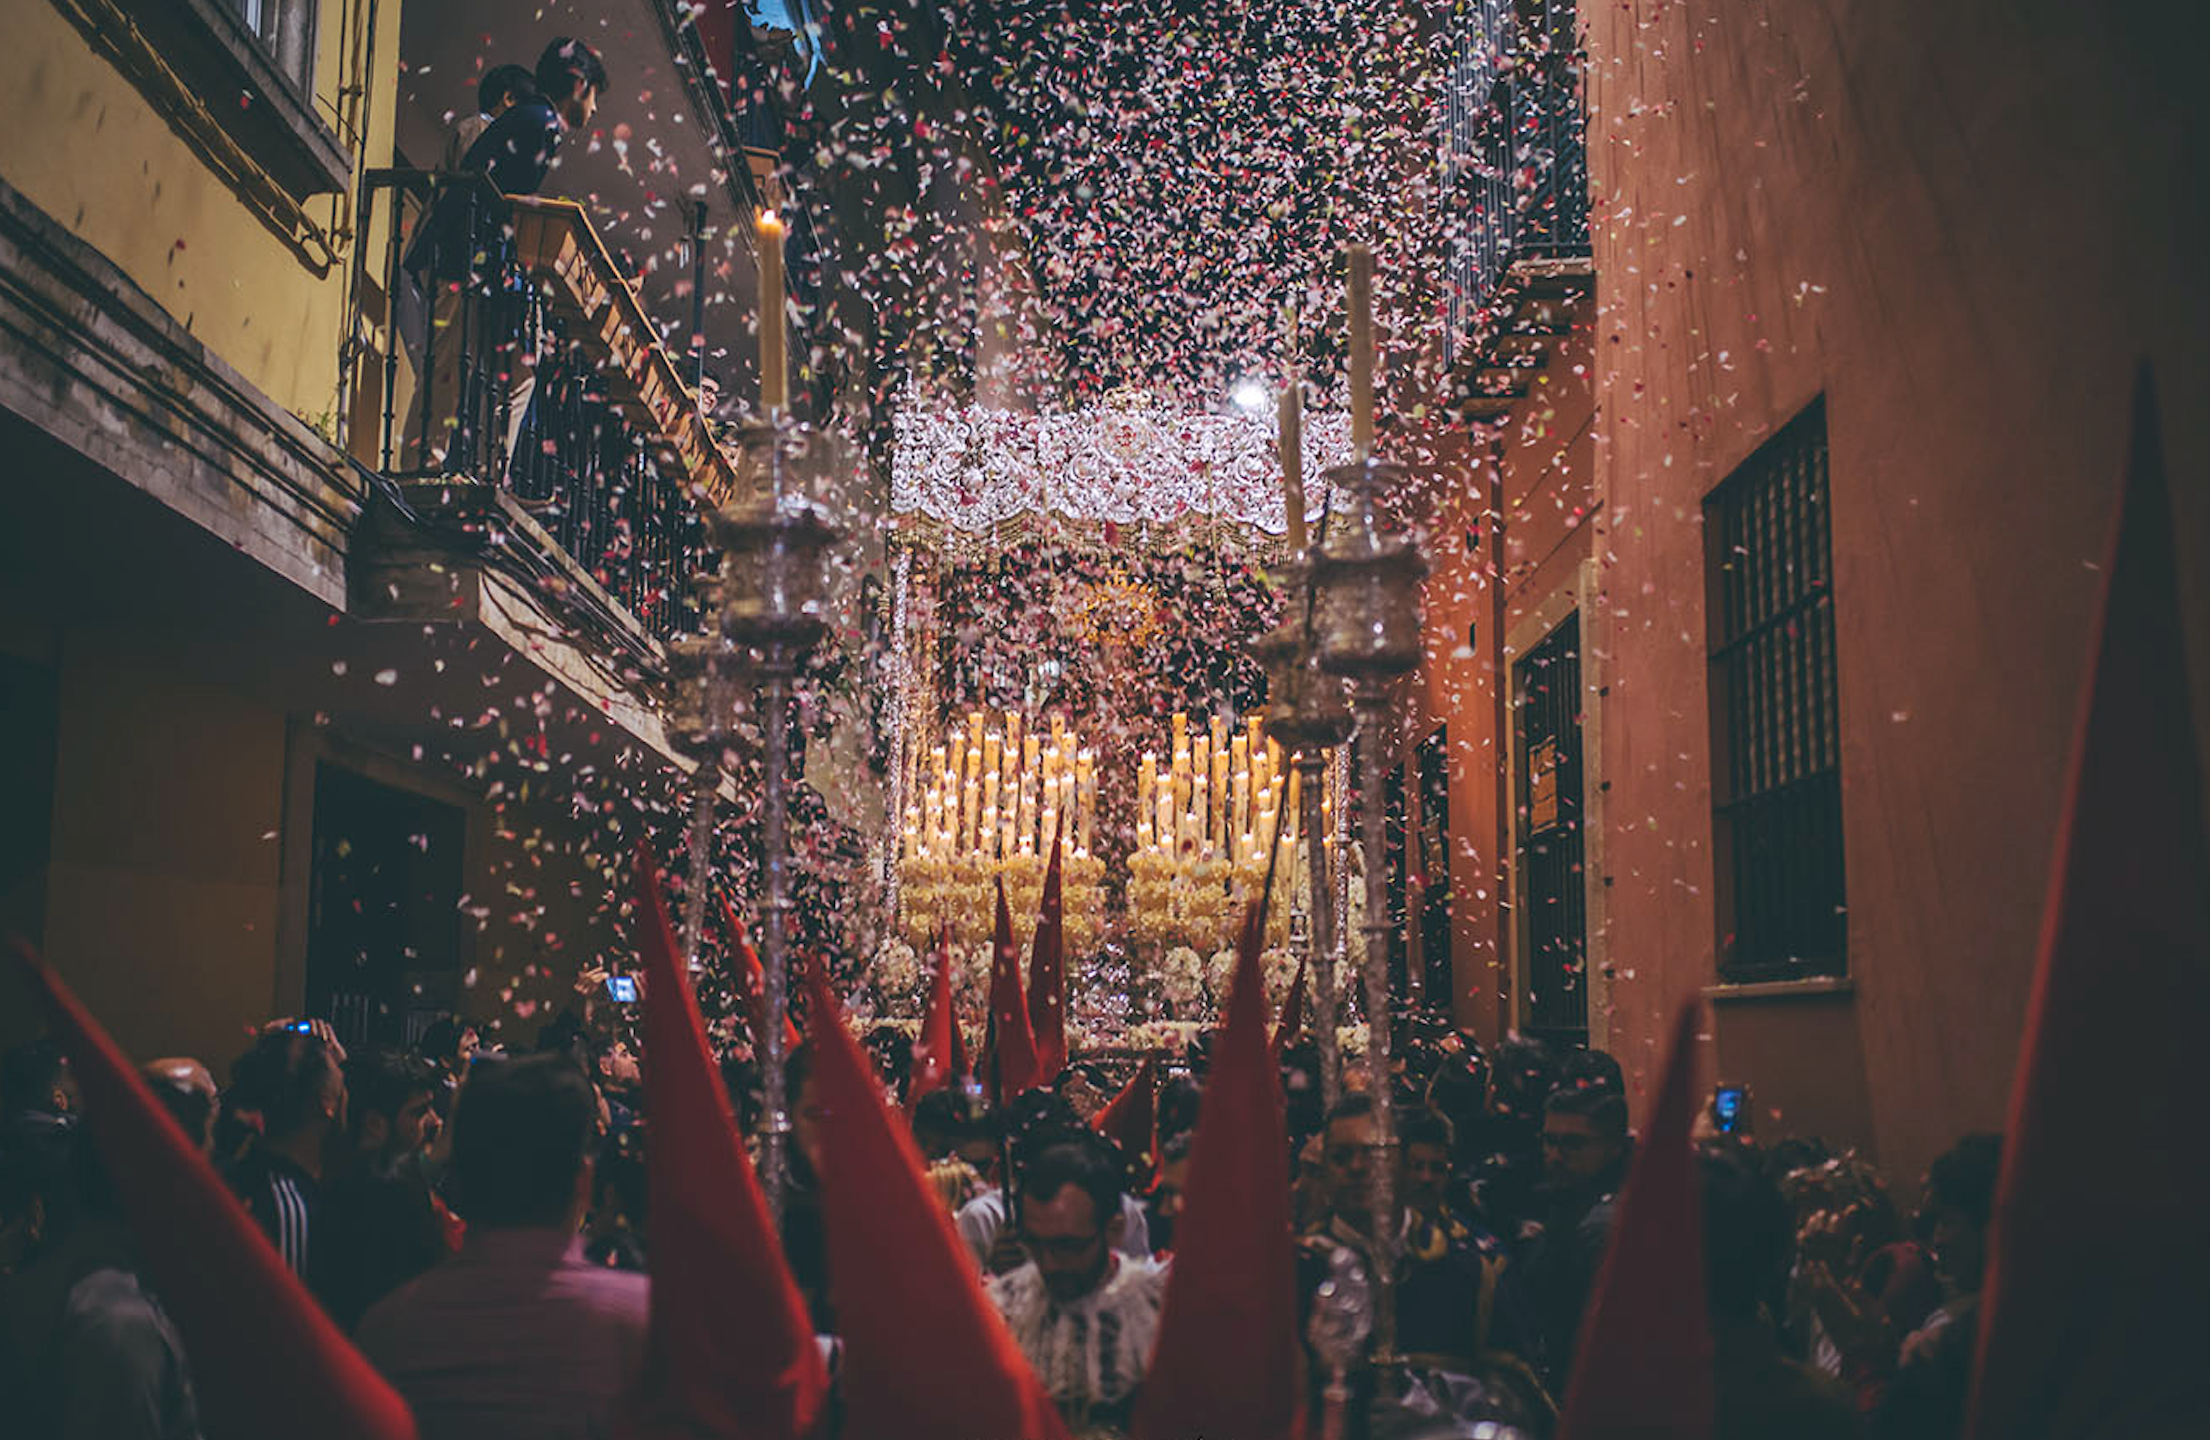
(1366, 578)
(703, 691)
(773, 585)
(1306, 715)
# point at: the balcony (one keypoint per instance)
(1516, 165)
(530, 418)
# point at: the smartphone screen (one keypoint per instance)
(622, 989)
(1726, 1107)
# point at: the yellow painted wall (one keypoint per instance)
(80, 141)
(161, 903)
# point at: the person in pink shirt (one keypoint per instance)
(517, 1334)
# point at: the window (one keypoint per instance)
(1776, 743)
(285, 31)
(232, 75)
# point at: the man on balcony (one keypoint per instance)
(455, 255)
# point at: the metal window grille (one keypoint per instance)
(1514, 159)
(1776, 741)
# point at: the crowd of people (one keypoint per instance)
(475, 1220)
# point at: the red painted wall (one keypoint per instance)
(1964, 224)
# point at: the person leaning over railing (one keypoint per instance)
(465, 229)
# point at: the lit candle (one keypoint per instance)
(1085, 769)
(1220, 794)
(1201, 807)
(1032, 774)
(774, 363)
(1360, 303)
(1181, 730)
(1147, 783)
(1292, 423)
(988, 840)
(1240, 814)
(1200, 763)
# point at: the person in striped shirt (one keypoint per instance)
(294, 1079)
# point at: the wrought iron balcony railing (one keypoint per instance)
(1516, 160)
(532, 369)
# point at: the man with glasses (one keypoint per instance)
(1083, 1313)
(1584, 1162)
(1446, 1267)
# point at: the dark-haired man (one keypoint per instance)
(294, 1079)
(1584, 1162)
(515, 152)
(1758, 1390)
(1926, 1397)
(381, 1225)
(517, 1334)
(517, 149)
(1446, 1269)
(1037, 1121)
(35, 1085)
(1083, 1313)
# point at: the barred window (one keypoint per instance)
(1776, 743)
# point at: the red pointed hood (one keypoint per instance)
(1047, 966)
(1227, 1364)
(265, 1358)
(731, 1351)
(933, 1052)
(2099, 1339)
(1131, 1118)
(1009, 1051)
(925, 1355)
(752, 981)
(1642, 1365)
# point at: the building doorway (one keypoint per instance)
(384, 922)
(1550, 838)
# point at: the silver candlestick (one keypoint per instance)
(1306, 715)
(1366, 581)
(774, 581)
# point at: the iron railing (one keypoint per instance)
(1515, 163)
(531, 371)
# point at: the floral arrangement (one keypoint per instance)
(1172, 1036)
(899, 977)
(1181, 979)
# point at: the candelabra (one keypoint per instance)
(1366, 628)
(986, 805)
(1208, 824)
(771, 597)
(1306, 715)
